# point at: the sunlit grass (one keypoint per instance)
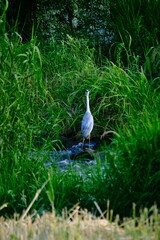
(81, 224)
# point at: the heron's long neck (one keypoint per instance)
(87, 103)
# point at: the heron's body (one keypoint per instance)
(87, 125)
(87, 121)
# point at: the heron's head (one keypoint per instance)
(87, 92)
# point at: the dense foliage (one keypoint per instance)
(42, 99)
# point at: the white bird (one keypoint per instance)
(87, 121)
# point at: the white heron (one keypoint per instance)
(87, 121)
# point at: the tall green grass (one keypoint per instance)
(114, 91)
(132, 173)
(136, 24)
(43, 99)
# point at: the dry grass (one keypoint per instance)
(78, 224)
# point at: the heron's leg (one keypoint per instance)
(83, 143)
(89, 141)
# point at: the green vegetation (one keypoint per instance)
(42, 99)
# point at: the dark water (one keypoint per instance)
(72, 158)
